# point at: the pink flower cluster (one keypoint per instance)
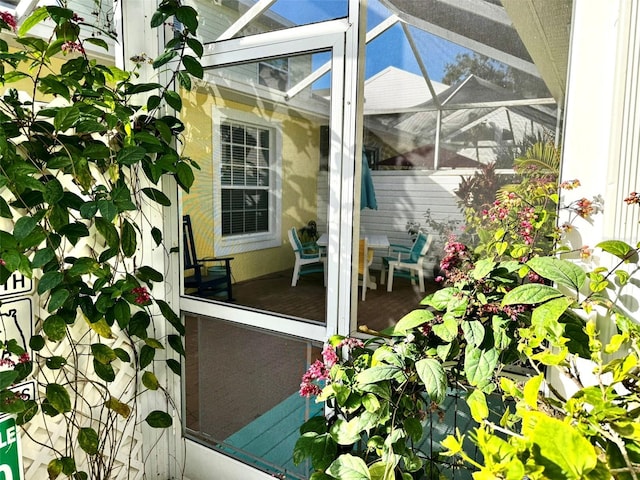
(526, 216)
(570, 184)
(7, 362)
(142, 295)
(584, 207)
(9, 19)
(633, 198)
(69, 47)
(319, 370)
(511, 311)
(454, 254)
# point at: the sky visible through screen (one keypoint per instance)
(389, 49)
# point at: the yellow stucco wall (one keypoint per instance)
(299, 170)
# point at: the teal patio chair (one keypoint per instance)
(309, 258)
(406, 262)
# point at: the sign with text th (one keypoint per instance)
(17, 284)
(10, 454)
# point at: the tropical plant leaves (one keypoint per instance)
(349, 467)
(159, 419)
(58, 397)
(530, 293)
(560, 271)
(88, 440)
(434, 378)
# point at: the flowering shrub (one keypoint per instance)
(588, 428)
(500, 309)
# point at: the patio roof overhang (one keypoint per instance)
(530, 35)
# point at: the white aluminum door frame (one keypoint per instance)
(336, 36)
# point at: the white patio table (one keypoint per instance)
(374, 242)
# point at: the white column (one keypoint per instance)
(600, 146)
(162, 450)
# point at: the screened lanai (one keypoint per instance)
(436, 105)
(295, 108)
(297, 81)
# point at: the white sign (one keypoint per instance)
(26, 390)
(16, 284)
(16, 322)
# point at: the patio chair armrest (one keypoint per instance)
(399, 248)
(215, 259)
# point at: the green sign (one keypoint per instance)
(10, 455)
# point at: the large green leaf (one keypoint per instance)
(130, 155)
(83, 265)
(193, 66)
(157, 196)
(434, 378)
(53, 191)
(164, 58)
(57, 299)
(378, 374)
(122, 313)
(348, 467)
(479, 365)
(108, 231)
(320, 447)
(159, 419)
(195, 45)
(478, 405)
(147, 355)
(148, 274)
(7, 378)
(185, 176)
(175, 342)
(38, 15)
(170, 316)
(58, 397)
(385, 471)
(482, 268)
(616, 247)
(545, 317)
(108, 209)
(103, 353)
(411, 320)
(560, 271)
(563, 451)
(23, 227)
(105, 372)
(530, 293)
(88, 440)
(55, 328)
(188, 17)
(128, 238)
(473, 332)
(119, 407)
(447, 330)
(66, 117)
(173, 99)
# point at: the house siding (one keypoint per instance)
(403, 197)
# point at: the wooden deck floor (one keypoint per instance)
(307, 299)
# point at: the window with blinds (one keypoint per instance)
(245, 178)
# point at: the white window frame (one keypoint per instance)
(247, 242)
